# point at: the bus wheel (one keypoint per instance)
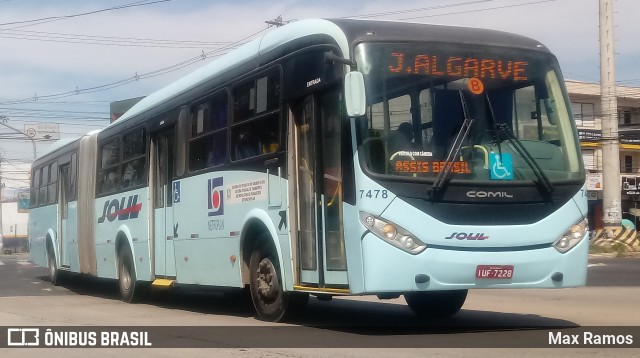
(54, 273)
(437, 304)
(126, 275)
(267, 294)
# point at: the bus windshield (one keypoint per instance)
(475, 112)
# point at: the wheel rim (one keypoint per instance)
(52, 267)
(125, 278)
(267, 281)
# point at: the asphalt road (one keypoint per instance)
(607, 272)
(490, 318)
(22, 278)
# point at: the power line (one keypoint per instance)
(396, 12)
(52, 98)
(45, 110)
(137, 77)
(478, 10)
(192, 60)
(106, 40)
(63, 17)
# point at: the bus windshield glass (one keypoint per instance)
(478, 113)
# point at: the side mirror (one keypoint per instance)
(354, 94)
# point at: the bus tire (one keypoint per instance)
(436, 304)
(127, 275)
(269, 299)
(54, 272)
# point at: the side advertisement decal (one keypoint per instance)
(116, 209)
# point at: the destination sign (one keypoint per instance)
(419, 166)
(458, 66)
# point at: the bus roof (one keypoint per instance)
(249, 51)
(392, 31)
(345, 32)
(60, 146)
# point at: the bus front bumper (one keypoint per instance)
(388, 269)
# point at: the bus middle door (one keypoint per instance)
(162, 170)
(66, 231)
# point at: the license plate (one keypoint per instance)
(494, 271)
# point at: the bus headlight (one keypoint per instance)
(392, 234)
(571, 237)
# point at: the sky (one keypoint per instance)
(62, 62)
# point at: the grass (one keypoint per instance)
(619, 249)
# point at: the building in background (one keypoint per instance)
(14, 206)
(585, 102)
(118, 108)
(14, 182)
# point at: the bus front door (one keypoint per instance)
(320, 240)
(163, 229)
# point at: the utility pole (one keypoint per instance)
(610, 141)
(5, 119)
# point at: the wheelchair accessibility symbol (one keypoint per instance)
(501, 168)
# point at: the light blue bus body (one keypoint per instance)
(329, 201)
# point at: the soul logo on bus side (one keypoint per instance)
(116, 209)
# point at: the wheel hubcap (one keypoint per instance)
(268, 286)
(125, 280)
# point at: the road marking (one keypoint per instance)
(35, 282)
(1, 263)
(596, 265)
(46, 289)
(25, 263)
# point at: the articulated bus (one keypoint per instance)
(331, 157)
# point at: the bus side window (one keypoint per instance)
(73, 183)
(133, 154)
(109, 176)
(52, 188)
(133, 173)
(256, 137)
(256, 117)
(217, 149)
(208, 141)
(270, 144)
(44, 180)
(109, 181)
(35, 186)
(247, 145)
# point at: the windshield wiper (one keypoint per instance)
(462, 134)
(503, 128)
